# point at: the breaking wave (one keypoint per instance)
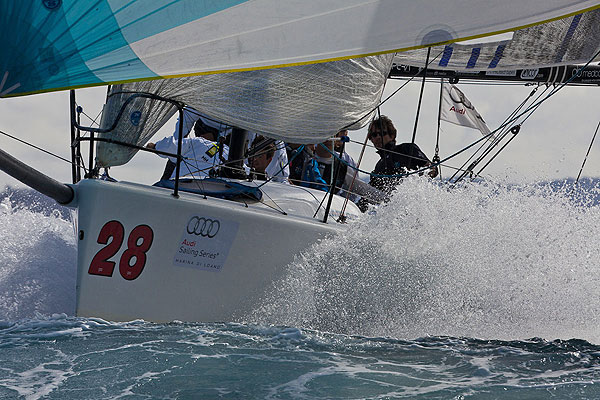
(482, 260)
(37, 257)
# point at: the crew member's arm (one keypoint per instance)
(169, 145)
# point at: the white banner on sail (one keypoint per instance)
(457, 109)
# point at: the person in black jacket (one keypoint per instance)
(395, 158)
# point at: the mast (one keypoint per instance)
(237, 147)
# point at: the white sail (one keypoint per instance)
(303, 104)
(567, 41)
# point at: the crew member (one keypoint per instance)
(261, 155)
(201, 153)
(394, 159)
(304, 169)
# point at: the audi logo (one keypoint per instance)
(204, 227)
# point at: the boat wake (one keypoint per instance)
(486, 261)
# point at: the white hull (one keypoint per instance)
(186, 276)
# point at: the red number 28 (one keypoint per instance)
(138, 243)
(128, 271)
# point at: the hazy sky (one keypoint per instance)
(552, 143)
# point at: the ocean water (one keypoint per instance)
(486, 291)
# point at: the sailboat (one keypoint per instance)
(285, 70)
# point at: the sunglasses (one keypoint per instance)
(377, 133)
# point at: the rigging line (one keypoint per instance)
(37, 148)
(414, 135)
(281, 168)
(322, 200)
(278, 209)
(362, 152)
(466, 170)
(331, 187)
(424, 169)
(386, 150)
(534, 109)
(390, 96)
(379, 175)
(245, 202)
(552, 92)
(508, 126)
(260, 149)
(586, 156)
(236, 160)
(82, 163)
(518, 128)
(200, 182)
(395, 152)
(291, 184)
(200, 185)
(195, 168)
(442, 163)
(494, 142)
(298, 151)
(306, 190)
(90, 118)
(436, 155)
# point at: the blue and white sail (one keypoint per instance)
(57, 44)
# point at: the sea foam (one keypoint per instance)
(482, 260)
(37, 262)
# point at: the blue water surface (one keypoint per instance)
(62, 357)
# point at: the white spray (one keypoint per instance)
(485, 261)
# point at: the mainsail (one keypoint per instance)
(567, 41)
(57, 44)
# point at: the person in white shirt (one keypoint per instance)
(201, 153)
(350, 168)
(190, 116)
(278, 169)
